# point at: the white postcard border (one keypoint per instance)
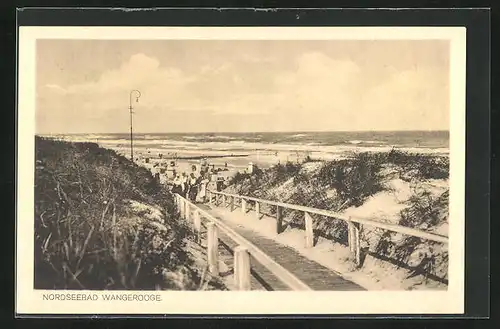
(30, 301)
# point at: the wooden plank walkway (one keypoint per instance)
(310, 272)
(261, 279)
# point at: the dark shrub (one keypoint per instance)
(419, 166)
(80, 240)
(424, 210)
(354, 179)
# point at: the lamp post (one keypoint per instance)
(138, 94)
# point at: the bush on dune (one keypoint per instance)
(250, 184)
(354, 179)
(284, 172)
(425, 210)
(418, 166)
(86, 236)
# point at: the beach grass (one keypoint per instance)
(348, 183)
(103, 222)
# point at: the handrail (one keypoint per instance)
(279, 271)
(363, 221)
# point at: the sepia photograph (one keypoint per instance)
(265, 163)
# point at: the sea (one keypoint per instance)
(268, 147)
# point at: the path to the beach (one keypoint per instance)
(316, 276)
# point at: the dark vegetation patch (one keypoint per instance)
(424, 212)
(86, 236)
(418, 166)
(354, 179)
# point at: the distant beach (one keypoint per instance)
(237, 150)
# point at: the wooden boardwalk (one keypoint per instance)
(262, 278)
(310, 272)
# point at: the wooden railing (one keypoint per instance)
(242, 266)
(353, 223)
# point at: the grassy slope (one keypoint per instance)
(348, 183)
(102, 222)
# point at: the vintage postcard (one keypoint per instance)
(241, 170)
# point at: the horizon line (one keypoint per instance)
(241, 132)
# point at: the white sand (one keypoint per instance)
(386, 205)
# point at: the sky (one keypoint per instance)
(83, 86)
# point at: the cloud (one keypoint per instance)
(258, 59)
(224, 89)
(56, 88)
(159, 86)
(321, 84)
(219, 89)
(419, 96)
(140, 71)
(342, 95)
(317, 91)
(252, 104)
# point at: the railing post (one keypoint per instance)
(350, 236)
(217, 197)
(309, 230)
(232, 203)
(182, 208)
(212, 248)
(257, 209)
(357, 244)
(197, 225)
(242, 268)
(187, 211)
(224, 200)
(243, 206)
(209, 195)
(278, 219)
